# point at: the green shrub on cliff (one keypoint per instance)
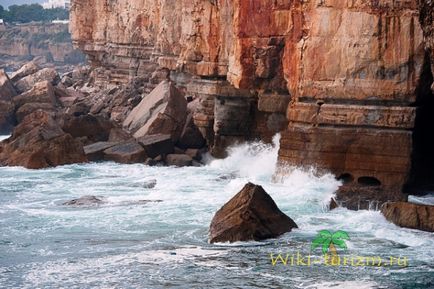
(33, 12)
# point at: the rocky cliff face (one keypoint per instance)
(45, 43)
(339, 78)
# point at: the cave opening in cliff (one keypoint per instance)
(422, 173)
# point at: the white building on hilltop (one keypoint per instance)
(57, 4)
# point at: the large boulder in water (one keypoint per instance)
(409, 215)
(163, 111)
(250, 215)
(39, 142)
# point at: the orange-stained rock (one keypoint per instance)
(351, 71)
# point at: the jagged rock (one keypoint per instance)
(95, 151)
(25, 70)
(191, 137)
(39, 142)
(78, 109)
(125, 153)
(409, 215)
(46, 74)
(179, 160)
(31, 107)
(95, 128)
(81, 73)
(6, 117)
(84, 201)
(195, 154)
(250, 215)
(41, 92)
(40, 97)
(333, 204)
(365, 197)
(7, 92)
(119, 135)
(158, 144)
(163, 111)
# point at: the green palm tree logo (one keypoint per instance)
(329, 242)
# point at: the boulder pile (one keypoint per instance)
(61, 119)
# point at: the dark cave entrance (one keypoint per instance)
(422, 173)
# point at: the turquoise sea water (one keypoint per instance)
(126, 243)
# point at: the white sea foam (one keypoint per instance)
(85, 245)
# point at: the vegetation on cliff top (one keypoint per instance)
(33, 12)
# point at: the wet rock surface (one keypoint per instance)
(250, 215)
(409, 215)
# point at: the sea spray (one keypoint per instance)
(128, 243)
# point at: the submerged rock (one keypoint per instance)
(84, 201)
(409, 215)
(150, 184)
(179, 160)
(250, 215)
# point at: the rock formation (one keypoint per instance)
(409, 215)
(7, 92)
(250, 215)
(341, 79)
(47, 44)
(39, 142)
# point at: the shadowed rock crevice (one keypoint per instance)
(422, 170)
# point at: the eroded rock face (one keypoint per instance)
(349, 71)
(250, 215)
(409, 215)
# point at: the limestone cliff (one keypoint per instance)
(341, 79)
(45, 43)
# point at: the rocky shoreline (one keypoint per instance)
(64, 119)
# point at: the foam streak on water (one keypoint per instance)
(128, 243)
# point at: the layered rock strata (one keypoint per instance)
(341, 79)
